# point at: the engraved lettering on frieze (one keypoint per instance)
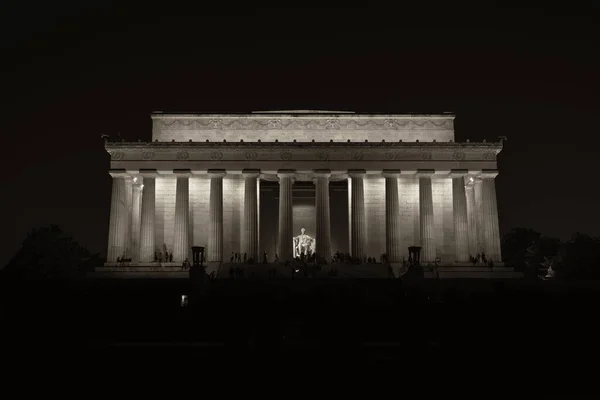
(216, 155)
(286, 155)
(489, 156)
(117, 155)
(356, 155)
(147, 155)
(274, 124)
(323, 155)
(426, 155)
(250, 155)
(332, 124)
(182, 155)
(458, 155)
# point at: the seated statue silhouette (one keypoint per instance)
(304, 245)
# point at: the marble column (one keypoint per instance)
(117, 230)
(478, 194)
(250, 221)
(357, 214)
(392, 216)
(491, 230)
(459, 211)
(129, 208)
(181, 233)
(285, 236)
(135, 219)
(428, 252)
(472, 216)
(147, 244)
(323, 217)
(215, 223)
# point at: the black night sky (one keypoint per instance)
(75, 70)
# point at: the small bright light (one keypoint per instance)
(471, 179)
(184, 300)
(141, 186)
(135, 180)
(297, 270)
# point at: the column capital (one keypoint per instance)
(216, 173)
(488, 173)
(286, 173)
(391, 173)
(357, 173)
(118, 173)
(458, 173)
(182, 173)
(322, 173)
(425, 173)
(251, 173)
(148, 173)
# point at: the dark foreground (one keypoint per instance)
(509, 328)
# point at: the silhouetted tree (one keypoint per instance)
(48, 252)
(526, 250)
(580, 258)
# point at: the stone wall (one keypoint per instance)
(165, 212)
(374, 189)
(233, 208)
(408, 195)
(443, 218)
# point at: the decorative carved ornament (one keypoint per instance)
(250, 155)
(489, 155)
(323, 155)
(303, 123)
(183, 155)
(286, 156)
(117, 156)
(148, 155)
(458, 155)
(426, 155)
(216, 155)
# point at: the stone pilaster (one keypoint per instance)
(478, 193)
(117, 230)
(323, 217)
(250, 221)
(428, 252)
(459, 209)
(357, 217)
(491, 229)
(135, 219)
(215, 223)
(147, 219)
(181, 233)
(285, 236)
(392, 216)
(472, 216)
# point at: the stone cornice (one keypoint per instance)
(302, 151)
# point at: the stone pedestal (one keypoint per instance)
(472, 216)
(428, 253)
(392, 216)
(459, 208)
(491, 231)
(250, 221)
(181, 233)
(215, 223)
(357, 212)
(117, 231)
(323, 222)
(285, 236)
(147, 246)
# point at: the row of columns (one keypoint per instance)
(474, 206)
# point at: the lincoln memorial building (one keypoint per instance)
(364, 184)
